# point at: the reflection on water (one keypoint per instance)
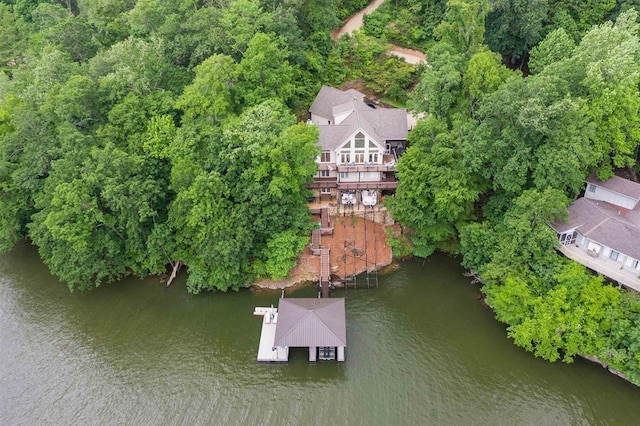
(422, 349)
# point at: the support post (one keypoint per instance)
(313, 353)
(341, 353)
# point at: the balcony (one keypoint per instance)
(607, 267)
(368, 185)
(327, 166)
(365, 167)
(328, 182)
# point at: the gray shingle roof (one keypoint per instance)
(603, 223)
(389, 123)
(332, 136)
(381, 124)
(329, 97)
(617, 184)
(311, 322)
(352, 105)
(583, 215)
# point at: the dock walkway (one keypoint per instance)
(267, 352)
(325, 272)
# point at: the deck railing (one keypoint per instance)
(368, 185)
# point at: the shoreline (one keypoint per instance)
(297, 282)
(357, 245)
(591, 358)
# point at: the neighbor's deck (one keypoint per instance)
(610, 268)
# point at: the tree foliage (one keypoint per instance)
(138, 136)
(143, 135)
(435, 195)
(499, 155)
(573, 318)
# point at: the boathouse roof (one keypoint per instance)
(311, 322)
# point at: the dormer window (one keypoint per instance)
(592, 188)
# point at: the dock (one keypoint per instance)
(313, 323)
(325, 272)
(267, 352)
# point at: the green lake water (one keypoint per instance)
(421, 350)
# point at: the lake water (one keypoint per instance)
(421, 350)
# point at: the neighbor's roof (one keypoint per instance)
(583, 215)
(311, 322)
(329, 97)
(617, 184)
(605, 224)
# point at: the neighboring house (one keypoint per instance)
(360, 146)
(603, 231)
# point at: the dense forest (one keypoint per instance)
(137, 137)
(516, 118)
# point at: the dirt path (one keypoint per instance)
(411, 56)
(356, 22)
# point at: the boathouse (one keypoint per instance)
(316, 324)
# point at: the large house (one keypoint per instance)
(603, 231)
(360, 147)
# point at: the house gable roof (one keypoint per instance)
(331, 137)
(311, 322)
(389, 123)
(380, 124)
(329, 97)
(348, 107)
(617, 184)
(356, 131)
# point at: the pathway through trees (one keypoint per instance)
(356, 21)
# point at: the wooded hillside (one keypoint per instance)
(522, 101)
(138, 137)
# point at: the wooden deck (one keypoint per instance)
(316, 242)
(324, 218)
(325, 272)
(610, 268)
